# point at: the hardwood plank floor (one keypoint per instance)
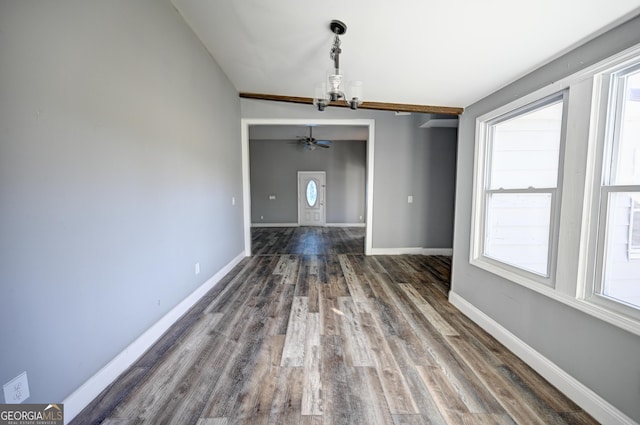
(310, 331)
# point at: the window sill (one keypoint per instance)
(587, 306)
(514, 274)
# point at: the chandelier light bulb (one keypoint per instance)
(335, 87)
(355, 93)
(321, 96)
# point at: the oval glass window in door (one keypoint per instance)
(312, 193)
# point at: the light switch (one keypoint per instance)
(410, 199)
(272, 197)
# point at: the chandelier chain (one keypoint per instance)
(336, 50)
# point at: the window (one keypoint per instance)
(618, 252)
(519, 190)
(312, 193)
(579, 137)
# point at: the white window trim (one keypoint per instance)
(593, 285)
(481, 169)
(598, 184)
(581, 181)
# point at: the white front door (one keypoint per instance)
(311, 198)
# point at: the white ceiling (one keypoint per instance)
(429, 52)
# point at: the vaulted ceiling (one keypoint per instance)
(428, 52)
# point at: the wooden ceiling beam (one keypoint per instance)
(380, 106)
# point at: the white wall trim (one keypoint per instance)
(591, 402)
(297, 225)
(275, 225)
(246, 190)
(438, 251)
(412, 251)
(83, 395)
(345, 225)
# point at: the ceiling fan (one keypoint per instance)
(310, 143)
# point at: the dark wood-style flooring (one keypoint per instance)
(310, 331)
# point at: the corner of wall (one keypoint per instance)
(80, 398)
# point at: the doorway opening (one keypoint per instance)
(246, 123)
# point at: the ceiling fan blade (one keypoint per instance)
(323, 142)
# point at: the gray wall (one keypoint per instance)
(435, 166)
(402, 159)
(601, 356)
(119, 155)
(274, 167)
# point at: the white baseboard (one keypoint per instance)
(438, 251)
(412, 251)
(83, 395)
(274, 225)
(591, 402)
(297, 225)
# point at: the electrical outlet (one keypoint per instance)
(233, 200)
(272, 197)
(197, 268)
(17, 390)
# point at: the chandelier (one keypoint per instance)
(332, 89)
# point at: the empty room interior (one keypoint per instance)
(250, 212)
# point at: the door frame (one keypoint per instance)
(246, 188)
(323, 198)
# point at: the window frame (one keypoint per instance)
(582, 173)
(608, 99)
(482, 167)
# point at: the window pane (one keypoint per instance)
(634, 231)
(312, 193)
(621, 270)
(525, 149)
(626, 165)
(517, 231)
